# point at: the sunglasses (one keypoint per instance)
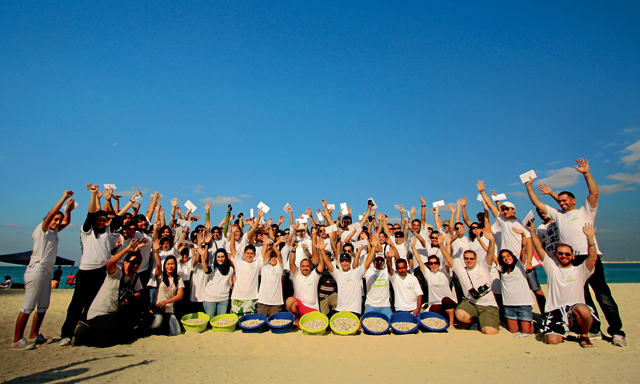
(469, 258)
(433, 263)
(505, 208)
(474, 227)
(433, 238)
(136, 263)
(563, 253)
(399, 235)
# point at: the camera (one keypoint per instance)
(126, 294)
(480, 292)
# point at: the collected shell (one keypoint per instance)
(344, 324)
(280, 322)
(223, 322)
(375, 324)
(403, 326)
(194, 321)
(315, 325)
(251, 323)
(434, 322)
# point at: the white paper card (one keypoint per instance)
(185, 241)
(355, 225)
(331, 228)
(525, 176)
(300, 221)
(251, 213)
(360, 217)
(343, 209)
(112, 186)
(262, 206)
(75, 204)
(527, 218)
(151, 198)
(195, 217)
(399, 206)
(375, 206)
(319, 217)
(331, 206)
(500, 197)
(184, 223)
(480, 197)
(360, 244)
(190, 206)
(137, 199)
(286, 207)
(438, 203)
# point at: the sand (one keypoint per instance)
(455, 356)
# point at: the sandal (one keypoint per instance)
(585, 342)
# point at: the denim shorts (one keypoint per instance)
(520, 312)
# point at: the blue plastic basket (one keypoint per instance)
(375, 314)
(404, 317)
(426, 315)
(256, 329)
(282, 328)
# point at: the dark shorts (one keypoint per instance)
(561, 321)
(532, 279)
(487, 316)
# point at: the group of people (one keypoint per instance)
(138, 275)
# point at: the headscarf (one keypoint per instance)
(224, 268)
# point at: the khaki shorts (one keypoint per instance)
(487, 316)
(329, 303)
(269, 310)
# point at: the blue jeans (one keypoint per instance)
(603, 295)
(384, 310)
(215, 309)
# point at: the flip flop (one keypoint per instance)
(585, 342)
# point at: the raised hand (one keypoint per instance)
(229, 208)
(544, 189)
(423, 201)
(270, 221)
(70, 205)
(280, 220)
(156, 245)
(583, 166)
(589, 230)
(308, 212)
(207, 236)
(452, 208)
(108, 193)
(480, 185)
(463, 201)
(93, 188)
(489, 236)
(68, 194)
(207, 207)
(174, 202)
(413, 210)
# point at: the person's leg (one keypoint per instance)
(551, 338)
(465, 312)
(44, 298)
(605, 299)
(511, 315)
(583, 317)
(489, 319)
(31, 295)
(534, 285)
(222, 308)
(292, 306)
(209, 308)
(21, 324)
(88, 284)
(525, 316)
(38, 318)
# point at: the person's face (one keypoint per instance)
(349, 250)
(345, 264)
(382, 237)
(434, 240)
(125, 220)
(346, 222)
(249, 254)
(476, 230)
(287, 232)
(166, 233)
(564, 255)
(430, 231)
(216, 234)
(129, 231)
(131, 266)
(397, 228)
(566, 202)
(445, 227)
(166, 245)
(433, 264)
(378, 263)
(542, 215)
(237, 235)
(55, 223)
(469, 260)
(305, 267)
(301, 233)
(399, 237)
(508, 212)
(416, 226)
(459, 228)
(259, 237)
(142, 224)
(273, 259)
(220, 258)
(170, 266)
(508, 259)
(322, 232)
(402, 269)
(102, 222)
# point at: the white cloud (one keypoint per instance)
(115, 144)
(605, 230)
(245, 196)
(220, 200)
(198, 189)
(610, 145)
(518, 193)
(634, 156)
(606, 161)
(14, 225)
(554, 163)
(631, 130)
(129, 193)
(626, 177)
(514, 184)
(613, 188)
(560, 178)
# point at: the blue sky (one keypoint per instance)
(295, 102)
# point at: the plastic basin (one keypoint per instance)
(427, 315)
(375, 314)
(404, 317)
(195, 328)
(313, 316)
(224, 328)
(282, 328)
(346, 315)
(255, 329)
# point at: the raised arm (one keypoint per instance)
(417, 256)
(227, 219)
(536, 242)
(152, 206)
(438, 220)
(423, 212)
(108, 193)
(327, 213)
(326, 260)
(491, 251)
(156, 257)
(365, 217)
(590, 231)
(458, 209)
(463, 208)
(56, 208)
(545, 190)
(112, 263)
(534, 197)
(445, 252)
(292, 260)
(487, 199)
(254, 226)
(583, 167)
(66, 220)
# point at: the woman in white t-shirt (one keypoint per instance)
(438, 280)
(516, 295)
(220, 279)
(170, 290)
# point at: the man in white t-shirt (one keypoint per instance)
(245, 293)
(406, 287)
(270, 292)
(349, 280)
(570, 222)
(305, 283)
(566, 310)
(377, 279)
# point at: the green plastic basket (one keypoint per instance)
(348, 315)
(313, 316)
(195, 328)
(224, 328)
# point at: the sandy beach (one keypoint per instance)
(455, 356)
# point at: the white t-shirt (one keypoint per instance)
(403, 249)
(240, 245)
(406, 291)
(479, 276)
(246, 286)
(439, 286)
(570, 226)
(286, 253)
(566, 285)
(199, 281)
(184, 269)
(270, 292)
(509, 239)
(306, 288)
(515, 288)
(377, 281)
(422, 251)
(96, 251)
(45, 247)
(145, 251)
(218, 286)
(106, 301)
(349, 289)
(217, 244)
(476, 247)
(459, 246)
(166, 293)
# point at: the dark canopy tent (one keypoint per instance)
(22, 258)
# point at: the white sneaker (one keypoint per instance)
(65, 342)
(21, 345)
(619, 341)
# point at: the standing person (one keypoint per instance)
(377, 281)
(95, 236)
(305, 284)
(37, 277)
(245, 293)
(566, 309)
(270, 299)
(220, 280)
(170, 289)
(55, 280)
(406, 288)
(570, 223)
(348, 277)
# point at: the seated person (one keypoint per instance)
(7, 282)
(305, 284)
